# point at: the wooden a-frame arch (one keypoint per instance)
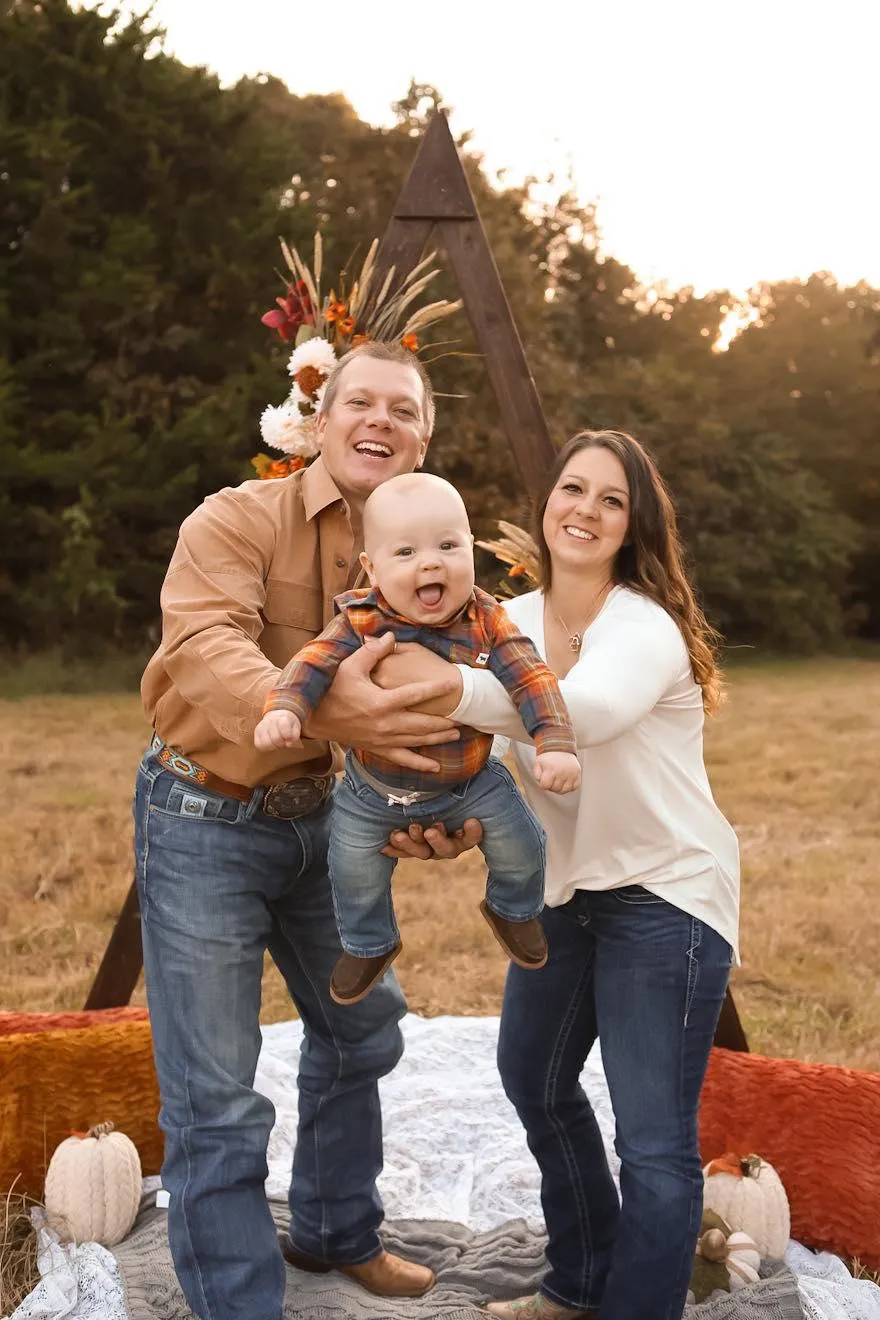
(437, 195)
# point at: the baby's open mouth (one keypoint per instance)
(430, 595)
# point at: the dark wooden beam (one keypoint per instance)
(437, 192)
(123, 959)
(436, 187)
(729, 1033)
(498, 340)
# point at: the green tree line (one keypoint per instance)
(140, 209)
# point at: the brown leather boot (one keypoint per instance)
(386, 1275)
(353, 978)
(524, 942)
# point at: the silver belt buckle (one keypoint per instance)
(296, 797)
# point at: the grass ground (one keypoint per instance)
(793, 760)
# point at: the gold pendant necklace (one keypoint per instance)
(576, 638)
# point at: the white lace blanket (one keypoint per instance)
(443, 1107)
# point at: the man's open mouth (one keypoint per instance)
(431, 595)
(373, 449)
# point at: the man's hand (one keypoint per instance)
(557, 772)
(433, 844)
(357, 713)
(280, 728)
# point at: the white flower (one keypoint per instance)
(317, 353)
(286, 429)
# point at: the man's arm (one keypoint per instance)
(212, 600)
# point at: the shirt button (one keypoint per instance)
(341, 563)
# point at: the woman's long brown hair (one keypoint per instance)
(652, 560)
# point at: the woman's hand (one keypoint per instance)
(433, 844)
(411, 663)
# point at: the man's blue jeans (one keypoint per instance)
(512, 844)
(219, 883)
(649, 980)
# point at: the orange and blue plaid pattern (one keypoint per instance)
(481, 634)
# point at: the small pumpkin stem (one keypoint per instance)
(713, 1245)
(101, 1129)
(751, 1166)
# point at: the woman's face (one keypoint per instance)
(587, 515)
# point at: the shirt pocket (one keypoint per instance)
(462, 653)
(292, 615)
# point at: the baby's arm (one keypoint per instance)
(303, 684)
(557, 772)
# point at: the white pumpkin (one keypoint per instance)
(743, 1260)
(752, 1201)
(93, 1186)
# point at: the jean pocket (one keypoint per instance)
(191, 802)
(636, 896)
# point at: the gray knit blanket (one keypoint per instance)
(471, 1268)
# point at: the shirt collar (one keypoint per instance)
(319, 490)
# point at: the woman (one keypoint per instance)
(641, 890)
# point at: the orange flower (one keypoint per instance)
(360, 339)
(346, 325)
(269, 469)
(516, 571)
(336, 310)
(410, 341)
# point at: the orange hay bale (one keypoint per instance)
(11, 1023)
(818, 1125)
(62, 1079)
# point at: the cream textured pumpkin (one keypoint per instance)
(93, 1186)
(742, 1261)
(748, 1194)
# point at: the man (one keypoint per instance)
(231, 849)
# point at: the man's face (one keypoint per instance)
(375, 428)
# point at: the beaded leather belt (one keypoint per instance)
(287, 801)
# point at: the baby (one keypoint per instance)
(418, 556)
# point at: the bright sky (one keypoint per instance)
(725, 143)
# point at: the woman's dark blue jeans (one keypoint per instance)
(649, 981)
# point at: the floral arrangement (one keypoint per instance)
(517, 548)
(322, 327)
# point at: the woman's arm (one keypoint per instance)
(618, 680)
(411, 663)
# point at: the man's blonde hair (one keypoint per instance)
(384, 352)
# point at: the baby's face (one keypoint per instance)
(424, 562)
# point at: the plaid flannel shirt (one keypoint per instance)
(481, 634)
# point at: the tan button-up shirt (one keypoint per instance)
(251, 580)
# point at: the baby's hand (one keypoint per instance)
(558, 772)
(280, 728)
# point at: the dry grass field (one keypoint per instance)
(794, 763)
